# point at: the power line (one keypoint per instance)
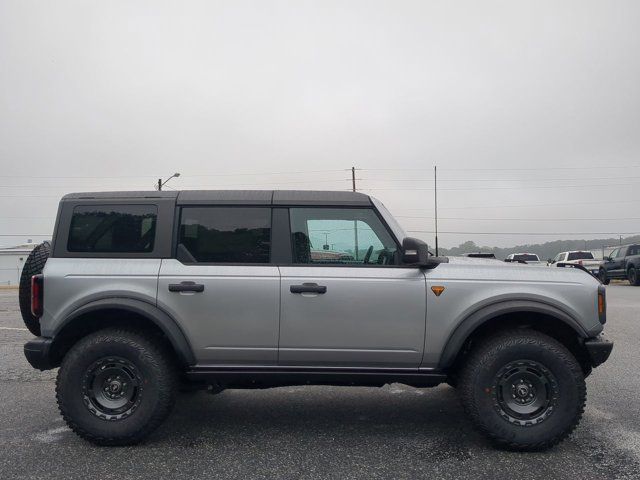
(186, 175)
(520, 219)
(519, 187)
(526, 233)
(573, 179)
(528, 206)
(409, 169)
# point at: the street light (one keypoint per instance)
(161, 183)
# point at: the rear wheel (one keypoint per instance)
(115, 387)
(523, 389)
(602, 275)
(632, 275)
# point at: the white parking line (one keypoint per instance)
(14, 328)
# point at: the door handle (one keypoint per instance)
(308, 288)
(186, 287)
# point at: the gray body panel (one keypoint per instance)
(473, 284)
(234, 320)
(369, 316)
(72, 283)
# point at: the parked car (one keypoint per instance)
(622, 263)
(579, 257)
(528, 258)
(141, 292)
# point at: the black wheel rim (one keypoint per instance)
(632, 275)
(112, 388)
(603, 276)
(525, 393)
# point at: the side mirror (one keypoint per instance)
(415, 252)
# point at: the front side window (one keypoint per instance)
(225, 234)
(113, 228)
(614, 254)
(350, 236)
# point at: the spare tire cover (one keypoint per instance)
(33, 266)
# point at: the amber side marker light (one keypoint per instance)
(437, 290)
(601, 303)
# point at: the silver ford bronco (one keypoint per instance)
(141, 294)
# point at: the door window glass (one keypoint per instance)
(225, 234)
(340, 236)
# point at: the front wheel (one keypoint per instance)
(602, 275)
(523, 389)
(632, 275)
(115, 387)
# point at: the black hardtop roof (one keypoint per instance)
(236, 197)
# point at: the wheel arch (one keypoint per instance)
(536, 315)
(120, 312)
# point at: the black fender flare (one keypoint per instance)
(151, 312)
(466, 328)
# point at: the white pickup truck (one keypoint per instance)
(578, 257)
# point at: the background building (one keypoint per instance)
(11, 262)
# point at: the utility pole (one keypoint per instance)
(355, 222)
(435, 190)
(159, 184)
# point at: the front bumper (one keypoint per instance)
(38, 353)
(598, 349)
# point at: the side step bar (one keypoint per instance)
(267, 377)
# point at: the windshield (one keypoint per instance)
(526, 257)
(580, 256)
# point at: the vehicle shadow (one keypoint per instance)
(290, 416)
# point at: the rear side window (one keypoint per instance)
(526, 257)
(113, 228)
(634, 250)
(225, 234)
(580, 256)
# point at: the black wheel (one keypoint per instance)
(632, 275)
(115, 387)
(33, 266)
(523, 389)
(602, 275)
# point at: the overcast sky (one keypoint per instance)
(531, 110)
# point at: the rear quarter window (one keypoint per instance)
(580, 256)
(113, 228)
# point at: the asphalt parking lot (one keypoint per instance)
(321, 432)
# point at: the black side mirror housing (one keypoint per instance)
(415, 252)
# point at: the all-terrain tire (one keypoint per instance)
(485, 398)
(632, 275)
(33, 266)
(156, 377)
(602, 276)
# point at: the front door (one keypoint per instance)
(221, 288)
(345, 300)
(614, 266)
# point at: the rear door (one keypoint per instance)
(222, 287)
(345, 300)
